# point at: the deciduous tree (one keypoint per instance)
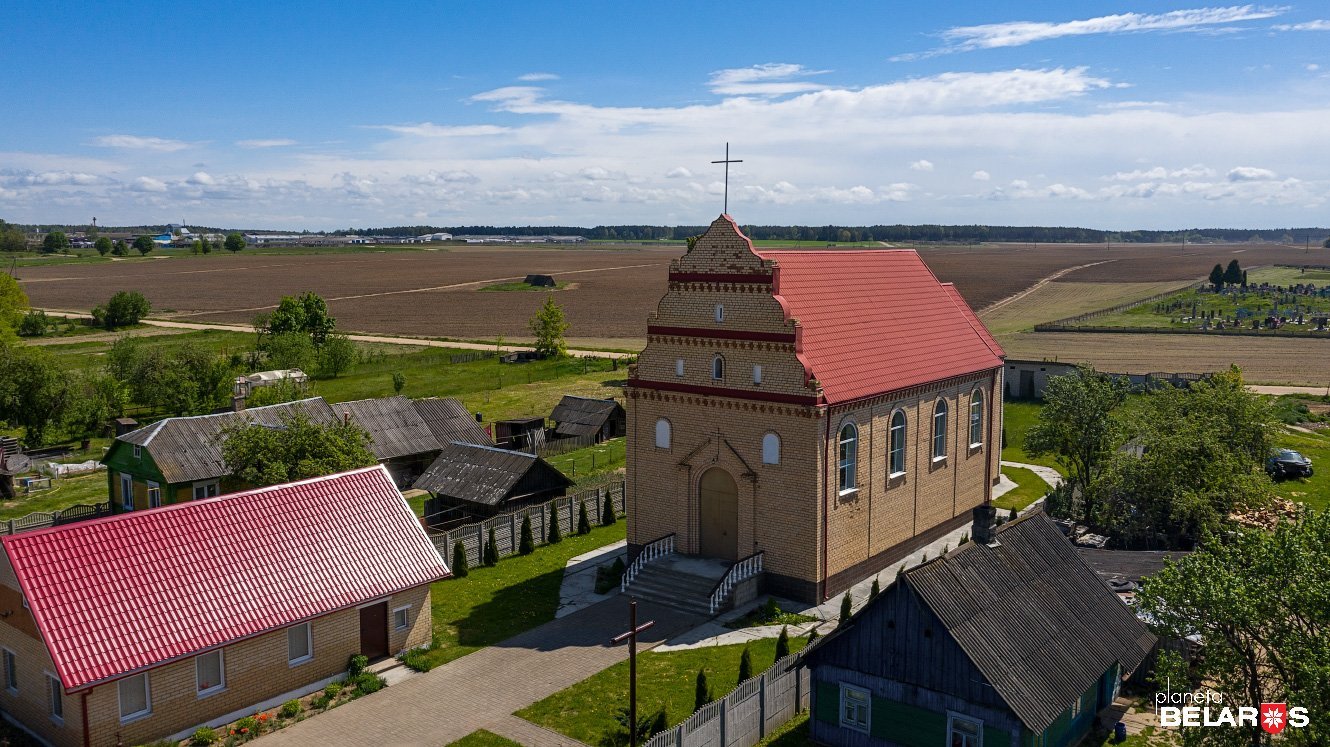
(13, 304)
(55, 241)
(300, 449)
(103, 245)
(548, 327)
(35, 392)
(144, 244)
(234, 242)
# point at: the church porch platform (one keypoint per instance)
(683, 582)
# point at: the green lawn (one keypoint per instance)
(522, 287)
(494, 604)
(593, 461)
(482, 738)
(769, 614)
(1315, 490)
(586, 710)
(1017, 418)
(1029, 488)
(794, 733)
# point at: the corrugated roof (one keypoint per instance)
(450, 421)
(395, 427)
(582, 416)
(116, 595)
(1032, 616)
(188, 449)
(877, 321)
(485, 474)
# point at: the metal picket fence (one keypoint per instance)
(754, 709)
(508, 527)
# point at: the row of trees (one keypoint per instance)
(58, 241)
(1231, 275)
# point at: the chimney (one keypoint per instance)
(985, 525)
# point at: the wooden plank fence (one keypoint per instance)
(754, 709)
(508, 527)
(43, 519)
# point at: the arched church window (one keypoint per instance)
(977, 418)
(848, 454)
(771, 449)
(896, 454)
(940, 430)
(718, 368)
(662, 434)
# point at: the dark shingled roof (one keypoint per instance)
(582, 416)
(1132, 565)
(1032, 616)
(488, 475)
(394, 426)
(188, 449)
(450, 421)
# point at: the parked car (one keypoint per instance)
(1288, 463)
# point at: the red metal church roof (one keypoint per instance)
(878, 321)
(116, 595)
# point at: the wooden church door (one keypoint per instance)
(719, 503)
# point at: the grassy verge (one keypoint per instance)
(482, 738)
(769, 614)
(584, 465)
(1315, 490)
(521, 287)
(794, 733)
(1029, 488)
(65, 492)
(1017, 419)
(586, 710)
(494, 604)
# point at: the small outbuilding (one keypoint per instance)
(519, 433)
(540, 281)
(597, 419)
(472, 481)
(399, 438)
(1011, 639)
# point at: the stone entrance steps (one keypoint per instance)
(681, 582)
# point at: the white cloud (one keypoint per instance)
(536, 77)
(201, 178)
(277, 142)
(981, 176)
(770, 79)
(922, 164)
(459, 176)
(136, 142)
(147, 184)
(1317, 25)
(1249, 174)
(1159, 172)
(1312, 67)
(429, 129)
(678, 172)
(25, 178)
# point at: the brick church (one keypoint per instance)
(830, 409)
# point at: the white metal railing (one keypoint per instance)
(739, 572)
(653, 550)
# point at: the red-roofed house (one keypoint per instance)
(828, 409)
(146, 625)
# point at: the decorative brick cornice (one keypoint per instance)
(721, 334)
(718, 277)
(635, 385)
(975, 377)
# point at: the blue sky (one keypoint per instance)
(319, 115)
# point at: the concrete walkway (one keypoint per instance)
(1047, 474)
(483, 689)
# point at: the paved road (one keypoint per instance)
(481, 690)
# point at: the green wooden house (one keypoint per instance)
(1011, 640)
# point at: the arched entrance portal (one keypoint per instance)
(719, 507)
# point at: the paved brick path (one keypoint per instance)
(481, 690)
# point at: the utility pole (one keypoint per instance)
(631, 636)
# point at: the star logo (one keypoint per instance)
(1274, 717)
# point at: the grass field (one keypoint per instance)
(586, 710)
(65, 492)
(1029, 488)
(1315, 490)
(520, 287)
(592, 461)
(483, 738)
(1017, 418)
(1058, 300)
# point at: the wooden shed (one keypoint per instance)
(475, 482)
(519, 433)
(540, 281)
(598, 419)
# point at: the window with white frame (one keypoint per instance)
(205, 490)
(55, 693)
(1075, 709)
(848, 457)
(127, 492)
(940, 430)
(209, 672)
(11, 671)
(135, 700)
(138, 451)
(771, 449)
(299, 644)
(964, 732)
(154, 495)
(402, 618)
(678, 366)
(854, 707)
(718, 368)
(977, 418)
(662, 434)
(757, 374)
(896, 445)
(720, 312)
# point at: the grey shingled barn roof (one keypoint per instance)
(488, 475)
(395, 427)
(450, 421)
(582, 416)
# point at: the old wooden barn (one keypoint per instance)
(591, 419)
(468, 481)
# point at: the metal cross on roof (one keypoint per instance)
(727, 163)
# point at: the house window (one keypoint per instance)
(11, 671)
(854, 707)
(209, 672)
(56, 695)
(205, 490)
(135, 701)
(940, 430)
(662, 434)
(402, 618)
(678, 366)
(154, 495)
(757, 374)
(126, 492)
(138, 451)
(299, 644)
(964, 732)
(849, 457)
(771, 449)
(1075, 709)
(977, 418)
(720, 312)
(718, 368)
(896, 453)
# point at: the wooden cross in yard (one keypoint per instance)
(631, 636)
(727, 163)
